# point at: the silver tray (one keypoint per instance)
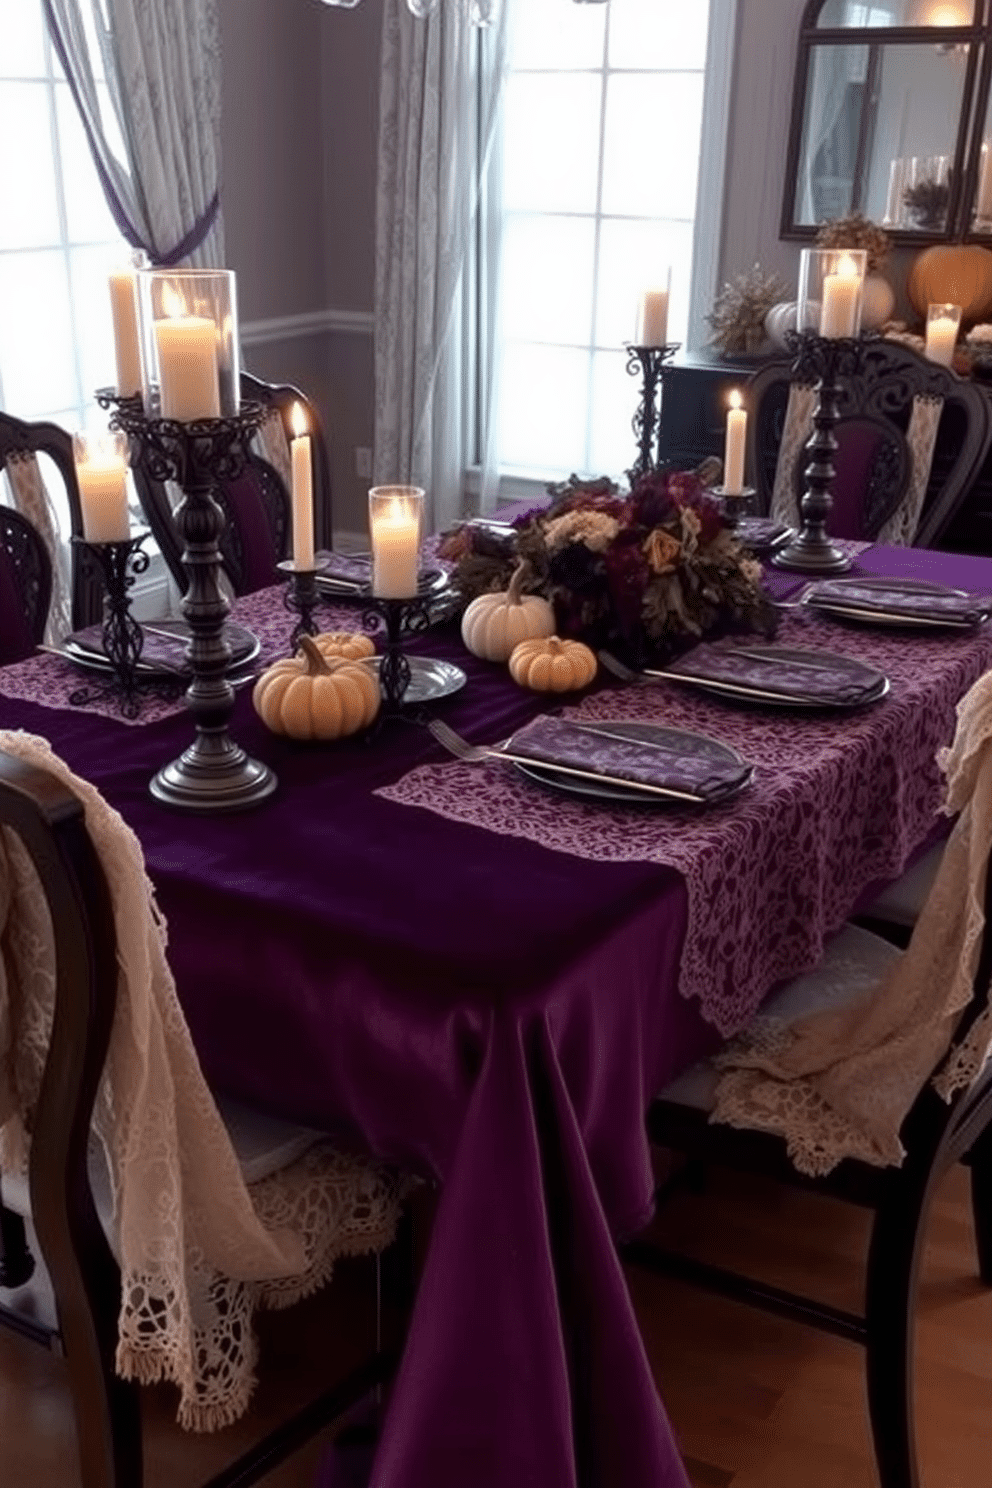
(889, 618)
(633, 795)
(745, 693)
(430, 678)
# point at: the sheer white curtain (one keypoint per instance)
(154, 124)
(441, 85)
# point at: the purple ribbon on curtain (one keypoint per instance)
(190, 240)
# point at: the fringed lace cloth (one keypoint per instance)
(839, 1083)
(198, 1250)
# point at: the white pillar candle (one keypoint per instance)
(302, 458)
(187, 364)
(839, 314)
(124, 313)
(733, 449)
(101, 471)
(652, 318)
(394, 515)
(943, 322)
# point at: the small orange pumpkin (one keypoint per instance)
(952, 274)
(552, 665)
(351, 644)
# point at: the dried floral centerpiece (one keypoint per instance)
(739, 310)
(646, 574)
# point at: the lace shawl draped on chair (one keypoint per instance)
(31, 499)
(274, 447)
(839, 1083)
(198, 1250)
(921, 438)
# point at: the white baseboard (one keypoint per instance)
(309, 323)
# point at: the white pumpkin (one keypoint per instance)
(493, 624)
(877, 303)
(780, 318)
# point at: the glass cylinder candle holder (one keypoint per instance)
(101, 473)
(943, 324)
(395, 517)
(831, 287)
(190, 359)
(651, 326)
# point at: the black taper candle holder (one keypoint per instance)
(402, 617)
(302, 596)
(734, 504)
(120, 563)
(214, 773)
(827, 361)
(651, 363)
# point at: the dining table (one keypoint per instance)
(485, 980)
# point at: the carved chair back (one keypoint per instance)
(275, 436)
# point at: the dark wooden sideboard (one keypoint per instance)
(696, 392)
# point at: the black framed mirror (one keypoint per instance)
(891, 117)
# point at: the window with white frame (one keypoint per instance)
(601, 152)
(58, 241)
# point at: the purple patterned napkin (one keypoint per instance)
(347, 568)
(669, 759)
(165, 646)
(814, 676)
(893, 598)
(761, 534)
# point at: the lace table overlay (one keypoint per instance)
(51, 681)
(839, 801)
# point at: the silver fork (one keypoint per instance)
(477, 754)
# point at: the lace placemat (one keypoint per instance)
(838, 802)
(51, 681)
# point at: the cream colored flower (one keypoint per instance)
(662, 551)
(595, 530)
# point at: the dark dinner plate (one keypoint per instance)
(163, 651)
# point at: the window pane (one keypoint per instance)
(543, 407)
(651, 150)
(547, 278)
(551, 149)
(557, 34)
(36, 352)
(89, 270)
(633, 256)
(22, 53)
(658, 33)
(615, 396)
(88, 217)
(29, 218)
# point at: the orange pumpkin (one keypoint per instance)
(952, 275)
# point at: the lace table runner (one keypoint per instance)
(50, 681)
(839, 801)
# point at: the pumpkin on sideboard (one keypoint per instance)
(952, 274)
(312, 696)
(547, 664)
(494, 623)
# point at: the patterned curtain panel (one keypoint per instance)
(145, 75)
(435, 146)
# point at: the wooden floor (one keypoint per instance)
(755, 1402)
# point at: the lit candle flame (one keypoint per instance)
(172, 301)
(735, 400)
(848, 268)
(298, 419)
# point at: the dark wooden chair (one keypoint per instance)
(49, 821)
(20, 439)
(282, 397)
(935, 1135)
(257, 530)
(25, 586)
(873, 459)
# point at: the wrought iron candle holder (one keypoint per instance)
(828, 361)
(651, 362)
(214, 773)
(302, 596)
(734, 504)
(402, 617)
(120, 563)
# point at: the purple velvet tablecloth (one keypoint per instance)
(491, 1013)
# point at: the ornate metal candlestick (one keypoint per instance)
(214, 773)
(829, 361)
(302, 595)
(402, 617)
(736, 504)
(651, 362)
(120, 564)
